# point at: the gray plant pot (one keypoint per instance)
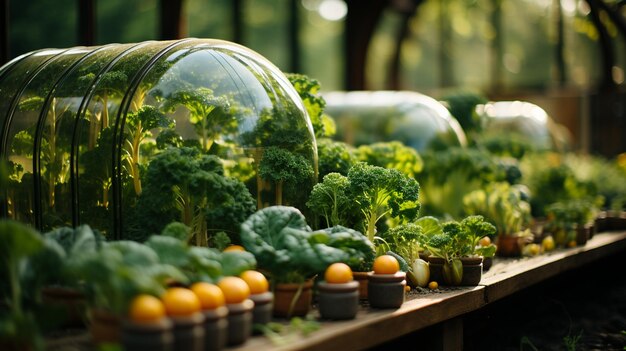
(157, 336)
(386, 290)
(263, 307)
(338, 301)
(215, 328)
(239, 322)
(189, 332)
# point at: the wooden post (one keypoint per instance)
(4, 32)
(237, 13)
(86, 22)
(173, 20)
(452, 334)
(294, 36)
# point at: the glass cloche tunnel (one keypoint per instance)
(129, 137)
(417, 120)
(525, 120)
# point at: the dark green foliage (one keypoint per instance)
(334, 157)
(462, 105)
(308, 89)
(380, 192)
(177, 230)
(187, 186)
(287, 170)
(284, 245)
(405, 240)
(330, 199)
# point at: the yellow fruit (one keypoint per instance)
(548, 243)
(407, 288)
(338, 273)
(256, 281)
(146, 308)
(531, 249)
(180, 302)
(485, 241)
(235, 289)
(433, 285)
(234, 248)
(210, 295)
(386, 264)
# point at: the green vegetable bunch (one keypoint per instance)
(393, 155)
(308, 89)
(335, 157)
(285, 245)
(181, 184)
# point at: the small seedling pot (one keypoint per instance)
(386, 290)
(291, 300)
(509, 245)
(215, 328)
(189, 332)
(362, 278)
(70, 301)
(105, 326)
(239, 322)
(263, 308)
(472, 270)
(154, 336)
(338, 301)
(436, 269)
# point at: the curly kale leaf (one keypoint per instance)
(330, 200)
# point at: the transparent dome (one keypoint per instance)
(526, 120)
(419, 121)
(129, 137)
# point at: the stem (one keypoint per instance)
(279, 193)
(295, 299)
(135, 159)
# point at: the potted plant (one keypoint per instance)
(570, 221)
(292, 254)
(457, 252)
(113, 276)
(19, 245)
(506, 207)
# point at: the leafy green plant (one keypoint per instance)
(285, 169)
(501, 204)
(330, 199)
(181, 184)
(285, 334)
(381, 192)
(121, 270)
(285, 245)
(392, 155)
(335, 157)
(308, 89)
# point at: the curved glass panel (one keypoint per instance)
(524, 119)
(96, 130)
(130, 137)
(414, 119)
(25, 140)
(214, 98)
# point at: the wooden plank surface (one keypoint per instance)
(507, 276)
(372, 327)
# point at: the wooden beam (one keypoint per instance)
(606, 47)
(4, 32)
(86, 30)
(238, 14)
(361, 21)
(173, 24)
(294, 36)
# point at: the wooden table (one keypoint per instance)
(506, 277)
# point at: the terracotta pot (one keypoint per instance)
(509, 245)
(70, 301)
(362, 279)
(338, 301)
(293, 299)
(106, 327)
(386, 290)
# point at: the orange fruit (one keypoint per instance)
(338, 273)
(386, 264)
(210, 295)
(256, 281)
(180, 302)
(235, 289)
(485, 241)
(234, 248)
(146, 308)
(433, 285)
